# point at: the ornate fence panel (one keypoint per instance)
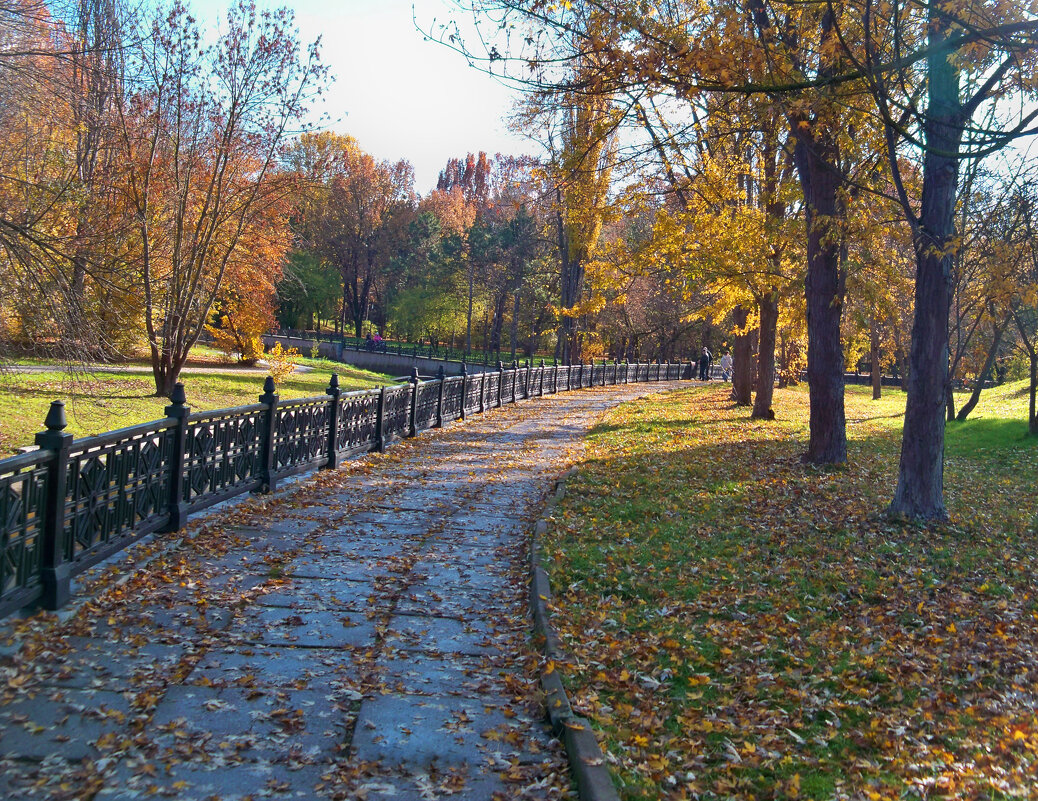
(117, 490)
(223, 454)
(473, 392)
(427, 403)
(452, 389)
(396, 414)
(597, 374)
(23, 490)
(358, 418)
(507, 386)
(490, 393)
(301, 434)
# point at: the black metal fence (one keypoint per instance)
(73, 503)
(441, 352)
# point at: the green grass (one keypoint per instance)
(99, 402)
(745, 626)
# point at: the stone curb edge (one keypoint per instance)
(585, 757)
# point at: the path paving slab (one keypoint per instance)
(441, 730)
(64, 722)
(310, 629)
(271, 666)
(316, 593)
(443, 635)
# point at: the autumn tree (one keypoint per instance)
(352, 218)
(60, 79)
(934, 74)
(202, 131)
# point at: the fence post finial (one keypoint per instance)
(178, 410)
(55, 571)
(334, 393)
(268, 469)
(412, 417)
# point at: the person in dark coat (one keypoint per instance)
(704, 364)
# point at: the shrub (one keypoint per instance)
(281, 363)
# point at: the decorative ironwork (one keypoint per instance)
(452, 397)
(507, 386)
(23, 486)
(397, 413)
(115, 484)
(428, 399)
(300, 433)
(223, 453)
(473, 389)
(490, 396)
(358, 417)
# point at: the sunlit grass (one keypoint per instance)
(745, 626)
(99, 402)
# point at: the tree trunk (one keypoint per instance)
(769, 313)
(877, 375)
(1032, 425)
(514, 333)
(978, 386)
(816, 158)
(920, 484)
(742, 360)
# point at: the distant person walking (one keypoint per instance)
(704, 364)
(726, 366)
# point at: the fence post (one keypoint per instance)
(333, 422)
(540, 387)
(380, 415)
(55, 571)
(482, 388)
(441, 376)
(267, 467)
(464, 386)
(515, 378)
(500, 378)
(178, 410)
(412, 426)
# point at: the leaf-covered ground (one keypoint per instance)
(744, 626)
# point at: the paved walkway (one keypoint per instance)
(362, 635)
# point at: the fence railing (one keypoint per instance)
(73, 503)
(440, 352)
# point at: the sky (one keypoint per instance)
(400, 97)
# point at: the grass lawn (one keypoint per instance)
(743, 626)
(99, 402)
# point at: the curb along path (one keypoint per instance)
(363, 635)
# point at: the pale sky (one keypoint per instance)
(399, 96)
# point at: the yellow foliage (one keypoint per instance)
(281, 362)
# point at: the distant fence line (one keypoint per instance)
(73, 503)
(443, 353)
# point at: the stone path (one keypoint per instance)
(363, 635)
